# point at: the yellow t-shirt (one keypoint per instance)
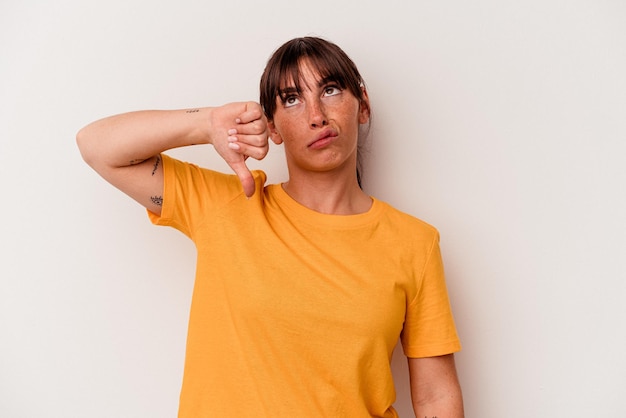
(296, 313)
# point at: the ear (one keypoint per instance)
(274, 135)
(364, 107)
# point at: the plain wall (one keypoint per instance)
(502, 123)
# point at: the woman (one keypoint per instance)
(302, 288)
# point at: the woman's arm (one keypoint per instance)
(435, 388)
(125, 149)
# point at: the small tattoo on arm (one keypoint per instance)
(156, 164)
(136, 161)
(192, 111)
(157, 200)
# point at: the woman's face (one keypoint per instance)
(319, 125)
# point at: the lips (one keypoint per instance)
(323, 138)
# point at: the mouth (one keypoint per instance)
(323, 139)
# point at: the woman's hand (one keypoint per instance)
(239, 131)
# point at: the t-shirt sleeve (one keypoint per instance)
(191, 195)
(429, 328)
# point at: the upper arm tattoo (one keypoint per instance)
(157, 200)
(156, 164)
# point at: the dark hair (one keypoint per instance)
(326, 58)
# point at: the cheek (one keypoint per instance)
(352, 110)
(286, 128)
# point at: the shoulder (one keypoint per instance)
(179, 171)
(406, 223)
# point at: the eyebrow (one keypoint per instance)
(286, 91)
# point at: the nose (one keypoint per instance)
(317, 116)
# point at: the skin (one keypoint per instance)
(435, 388)
(319, 130)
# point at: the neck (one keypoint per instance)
(326, 193)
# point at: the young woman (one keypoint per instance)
(302, 288)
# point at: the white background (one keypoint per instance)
(502, 123)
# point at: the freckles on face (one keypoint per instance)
(316, 104)
(312, 110)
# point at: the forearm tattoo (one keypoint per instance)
(136, 161)
(157, 200)
(156, 164)
(192, 111)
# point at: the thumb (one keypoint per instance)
(245, 176)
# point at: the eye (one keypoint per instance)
(291, 100)
(331, 90)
